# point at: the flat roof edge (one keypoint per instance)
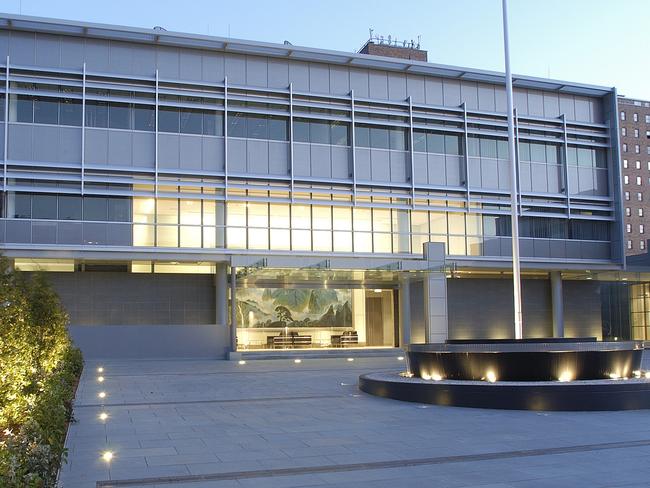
(287, 51)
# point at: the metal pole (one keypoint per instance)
(516, 277)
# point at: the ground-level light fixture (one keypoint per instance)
(400, 358)
(100, 370)
(436, 377)
(647, 375)
(490, 376)
(614, 376)
(100, 379)
(565, 376)
(297, 361)
(101, 394)
(107, 456)
(242, 362)
(350, 360)
(103, 416)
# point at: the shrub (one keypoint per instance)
(38, 374)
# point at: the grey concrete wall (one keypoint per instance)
(112, 298)
(151, 341)
(482, 308)
(418, 326)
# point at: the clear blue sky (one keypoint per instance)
(603, 42)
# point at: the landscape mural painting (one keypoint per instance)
(293, 307)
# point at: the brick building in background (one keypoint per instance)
(634, 122)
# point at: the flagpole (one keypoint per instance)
(514, 219)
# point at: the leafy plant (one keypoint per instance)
(39, 371)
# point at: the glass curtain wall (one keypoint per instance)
(299, 318)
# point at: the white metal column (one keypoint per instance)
(514, 218)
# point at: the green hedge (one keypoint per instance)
(39, 370)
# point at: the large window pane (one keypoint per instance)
(342, 241)
(435, 143)
(22, 205)
(342, 218)
(488, 147)
(452, 145)
(419, 141)
(70, 112)
(280, 216)
(190, 212)
(46, 110)
(212, 123)
(257, 127)
(96, 114)
(420, 222)
(300, 217)
(167, 211)
(398, 139)
(167, 236)
(236, 124)
(382, 242)
(69, 207)
(191, 121)
(456, 223)
(258, 215)
(277, 127)
(362, 241)
(381, 219)
(119, 116)
(143, 235)
(323, 240)
(362, 219)
(300, 130)
(190, 236)
(168, 119)
(585, 156)
(438, 222)
(236, 237)
(361, 136)
(44, 207)
(144, 117)
(24, 110)
(280, 239)
(322, 217)
(340, 133)
(379, 138)
(144, 209)
(95, 208)
(537, 152)
(301, 240)
(119, 209)
(258, 238)
(236, 214)
(319, 132)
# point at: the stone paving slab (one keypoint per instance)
(274, 423)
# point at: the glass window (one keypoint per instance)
(340, 131)
(398, 139)
(256, 127)
(209, 212)
(457, 245)
(362, 219)
(167, 211)
(144, 117)
(456, 223)
(419, 141)
(474, 224)
(435, 143)
(601, 158)
(420, 223)
(280, 239)
(488, 148)
(379, 138)
(401, 223)
(119, 116)
(342, 241)
(258, 215)
(70, 112)
(537, 152)
(168, 119)
(552, 154)
(342, 218)
(301, 240)
(190, 236)
(452, 145)
(190, 211)
(191, 121)
(44, 207)
(167, 236)
(319, 132)
(584, 157)
(322, 218)
(258, 238)
(22, 205)
(381, 219)
(46, 110)
(69, 207)
(96, 114)
(524, 151)
(119, 209)
(143, 210)
(212, 123)
(24, 109)
(300, 217)
(280, 216)
(361, 136)
(95, 208)
(438, 221)
(277, 127)
(301, 130)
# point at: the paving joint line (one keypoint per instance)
(334, 468)
(193, 402)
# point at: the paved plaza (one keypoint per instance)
(277, 423)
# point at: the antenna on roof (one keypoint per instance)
(159, 28)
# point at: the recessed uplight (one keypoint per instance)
(107, 456)
(100, 370)
(297, 361)
(647, 375)
(491, 376)
(101, 394)
(242, 362)
(377, 290)
(614, 376)
(436, 377)
(103, 416)
(565, 377)
(100, 379)
(637, 373)
(400, 358)
(350, 360)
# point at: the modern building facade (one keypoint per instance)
(175, 185)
